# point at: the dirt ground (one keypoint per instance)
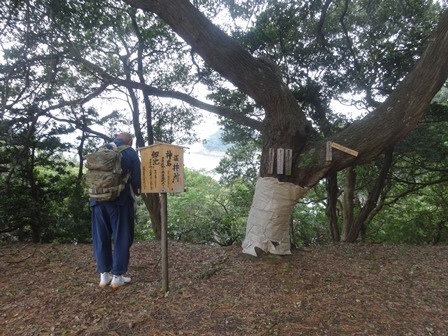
(333, 290)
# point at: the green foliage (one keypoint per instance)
(412, 202)
(143, 228)
(414, 210)
(363, 48)
(241, 163)
(209, 212)
(47, 207)
(309, 220)
(69, 213)
(46, 82)
(420, 218)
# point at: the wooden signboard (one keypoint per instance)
(162, 168)
(283, 158)
(280, 160)
(330, 145)
(163, 172)
(288, 162)
(271, 161)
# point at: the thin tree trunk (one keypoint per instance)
(348, 206)
(152, 200)
(34, 206)
(372, 200)
(332, 200)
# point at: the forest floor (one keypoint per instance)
(352, 289)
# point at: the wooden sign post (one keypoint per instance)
(162, 172)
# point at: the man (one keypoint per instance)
(116, 219)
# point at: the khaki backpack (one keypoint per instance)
(103, 178)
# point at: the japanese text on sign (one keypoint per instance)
(162, 169)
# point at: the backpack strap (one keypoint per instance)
(113, 145)
(120, 149)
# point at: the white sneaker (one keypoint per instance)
(105, 279)
(119, 280)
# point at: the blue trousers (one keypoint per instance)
(112, 223)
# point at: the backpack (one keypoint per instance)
(103, 178)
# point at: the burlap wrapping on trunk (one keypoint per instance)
(270, 216)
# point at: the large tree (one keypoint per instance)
(342, 47)
(285, 126)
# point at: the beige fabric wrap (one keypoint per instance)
(270, 215)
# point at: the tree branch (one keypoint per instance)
(391, 121)
(150, 90)
(320, 24)
(234, 63)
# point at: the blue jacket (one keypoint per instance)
(130, 162)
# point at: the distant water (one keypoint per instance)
(197, 157)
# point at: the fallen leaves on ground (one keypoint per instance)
(354, 289)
